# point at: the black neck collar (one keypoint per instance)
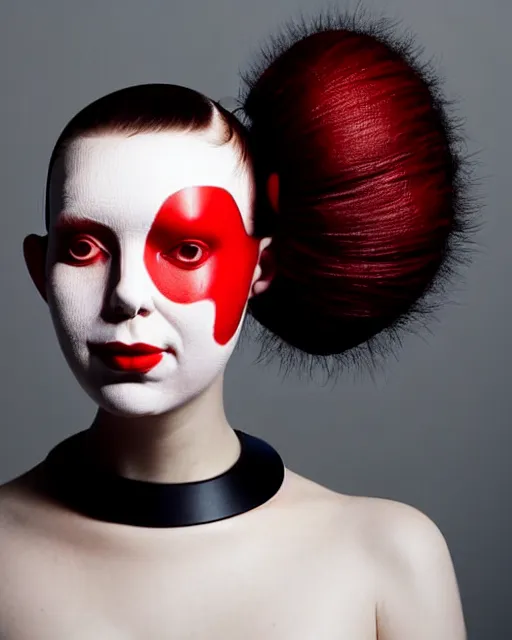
(98, 493)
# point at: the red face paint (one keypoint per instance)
(220, 270)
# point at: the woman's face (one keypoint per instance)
(149, 244)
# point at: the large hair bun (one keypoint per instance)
(373, 213)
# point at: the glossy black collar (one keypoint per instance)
(98, 493)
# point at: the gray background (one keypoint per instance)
(432, 429)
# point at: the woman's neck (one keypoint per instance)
(193, 442)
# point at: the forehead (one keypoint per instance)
(123, 180)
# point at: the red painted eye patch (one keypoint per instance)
(207, 217)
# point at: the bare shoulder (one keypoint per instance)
(396, 526)
(385, 526)
(377, 517)
(11, 492)
(408, 559)
(389, 532)
(405, 541)
(19, 499)
(418, 591)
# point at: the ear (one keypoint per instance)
(35, 250)
(265, 268)
(273, 191)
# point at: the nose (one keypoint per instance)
(131, 292)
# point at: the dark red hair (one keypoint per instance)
(371, 208)
(371, 211)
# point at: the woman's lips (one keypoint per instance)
(135, 358)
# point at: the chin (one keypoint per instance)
(136, 400)
(162, 390)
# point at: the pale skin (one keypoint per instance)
(310, 563)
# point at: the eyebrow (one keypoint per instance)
(65, 221)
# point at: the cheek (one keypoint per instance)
(194, 323)
(74, 297)
(202, 357)
(209, 214)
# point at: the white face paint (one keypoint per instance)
(118, 270)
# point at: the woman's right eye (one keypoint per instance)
(83, 250)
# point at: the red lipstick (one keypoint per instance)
(135, 358)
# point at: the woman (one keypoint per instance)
(330, 215)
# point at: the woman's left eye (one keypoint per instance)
(188, 254)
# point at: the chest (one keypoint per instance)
(291, 588)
